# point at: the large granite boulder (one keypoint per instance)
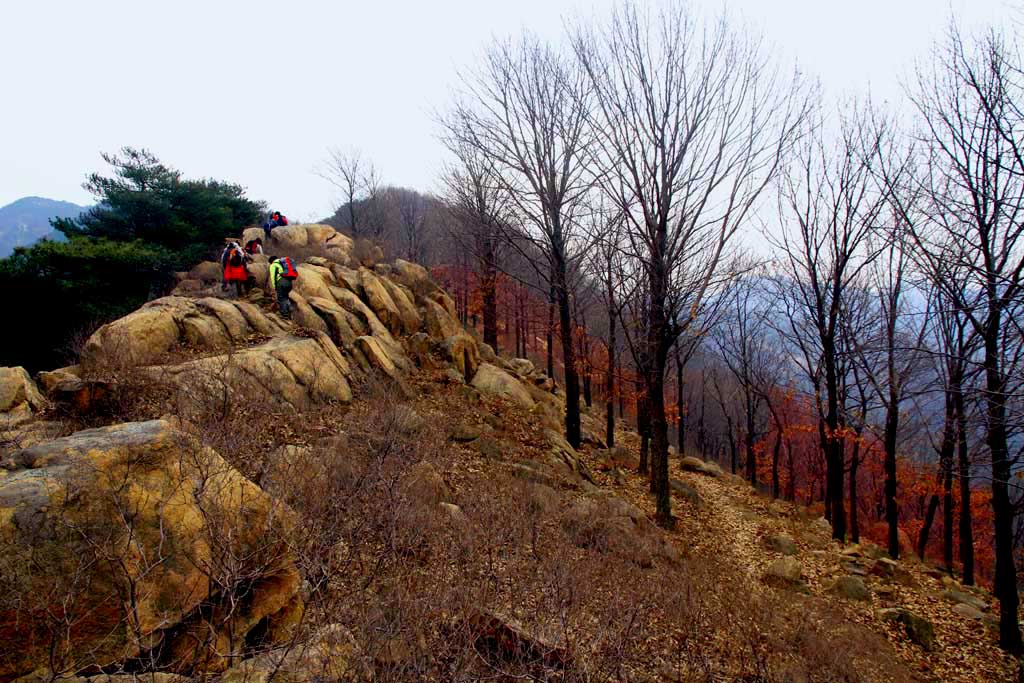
(290, 372)
(491, 379)
(135, 540)
(144, 336)
(20, 399)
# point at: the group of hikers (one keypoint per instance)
(234, 260)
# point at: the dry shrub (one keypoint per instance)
(386, 558)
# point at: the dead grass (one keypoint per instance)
(385, 555)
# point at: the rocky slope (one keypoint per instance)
(368, 492)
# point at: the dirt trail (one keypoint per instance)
(730, 528)
(732, 522)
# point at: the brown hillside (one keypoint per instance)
(217, 492)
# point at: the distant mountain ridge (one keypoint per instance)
(27, 220)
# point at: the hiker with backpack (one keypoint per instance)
(253, 247)
(233, 260)
(224, 265)
(282, 275)
(277, 219)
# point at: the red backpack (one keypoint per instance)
(283, 220)
(289, 269)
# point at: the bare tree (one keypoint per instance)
(892, 356)
(743, 342)
(829, 206)
(481, 206)
(970, 105)
(693, 120)
(526, 112)
(359, 183)
(605, 225)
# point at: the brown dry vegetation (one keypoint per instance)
(428, 591)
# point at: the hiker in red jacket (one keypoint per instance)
(234, 268)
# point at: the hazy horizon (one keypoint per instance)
(255, 93)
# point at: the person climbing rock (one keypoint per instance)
(282, 274)
(270, 224)
(224, 264)
(253, 247)
(277, 219)
(234, 268)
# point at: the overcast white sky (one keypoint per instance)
(255, 92)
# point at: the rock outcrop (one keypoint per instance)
(141, 538)
(126, 532)
(150, 333)
(493, 380)
(285, 371)
(20, 398)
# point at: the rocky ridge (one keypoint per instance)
(194, 574)
(160, 501)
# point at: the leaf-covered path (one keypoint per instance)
(733, 522)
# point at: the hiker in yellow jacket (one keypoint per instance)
(282, 274)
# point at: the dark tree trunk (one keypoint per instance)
(964, 475)
(892, 424)
(643, 426)
(854, 521)
(588, 398)
(610, 381)
(834, 457)
(1002, 509)
(489, 295)
(791, 484)
(776, 452)
(734, 452)
(622, 398)
(776, 447)
(946, 449)
(572, 384)
(680, 408)
(929, 517)
(826, 486)
(551, 334)
(748, 440)
(659, 446)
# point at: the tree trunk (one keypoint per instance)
(659, 446)
(572, 385)
(734, 452)
(922, 541)
(748, 439)
(622, 397)
(610, 383)
(551, 334)
(891, 509)
(489, 296)
(680, 408)
(791, 484)
(946, 449)
(966, 528)
(826, 486)
(642, 426)
(776, 447)
(776, 452)
(834, 457)
(996, 438)
(854, 521)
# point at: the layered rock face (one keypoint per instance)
(134, 542)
